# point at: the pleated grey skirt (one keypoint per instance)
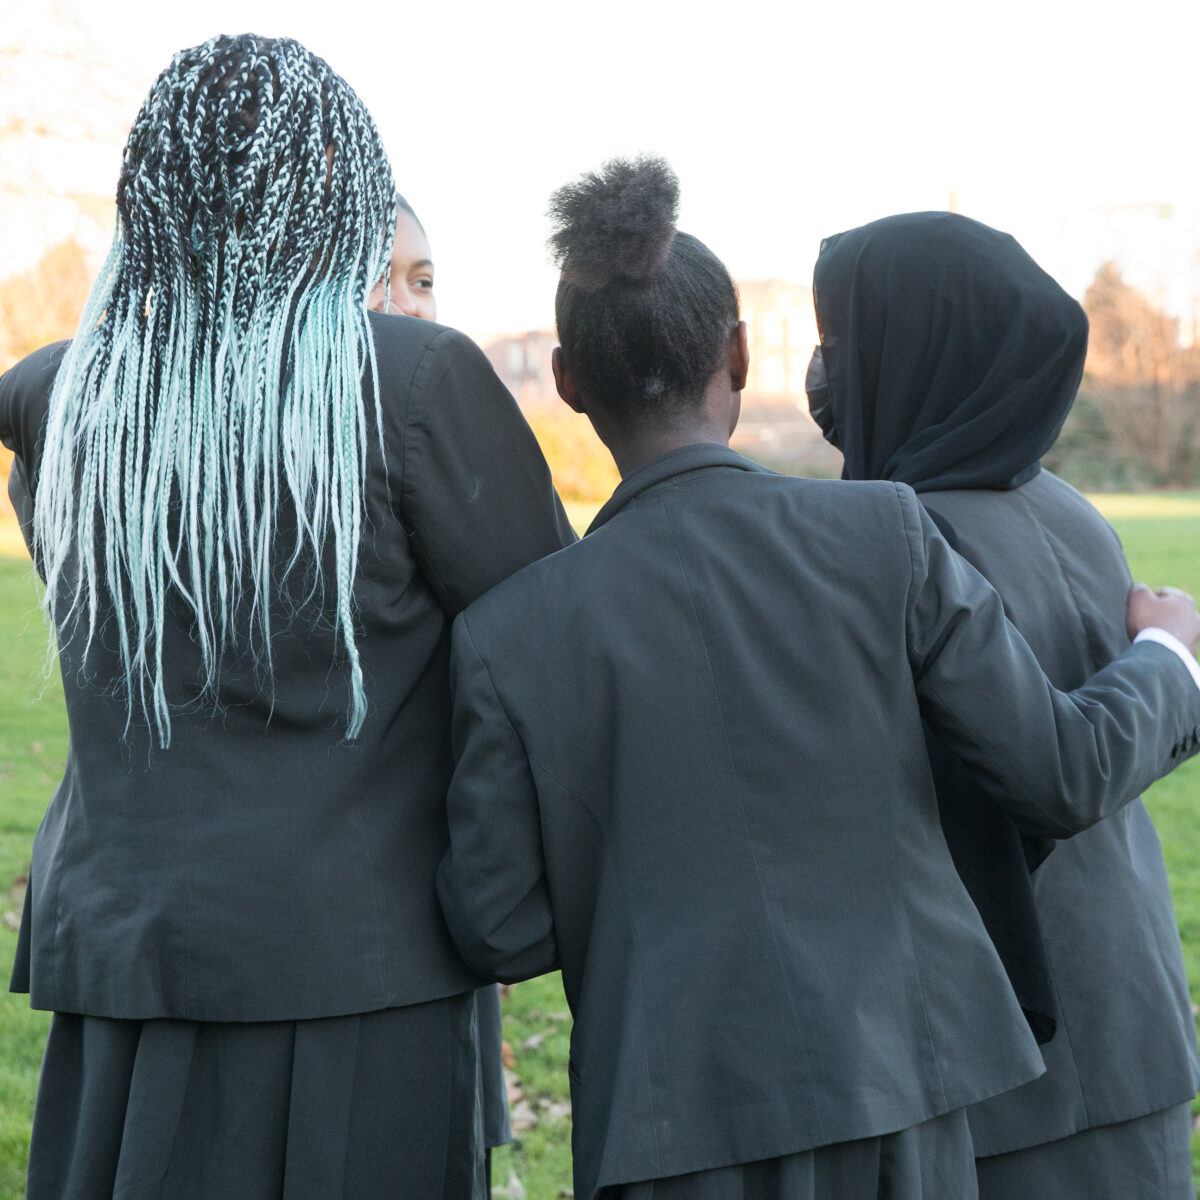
(497, 1128)
(1148, 1158)
(931, 1161)
(374, 1105)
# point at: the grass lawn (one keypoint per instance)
(33, 747)
(1162, 539)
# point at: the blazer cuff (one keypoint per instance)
(1163, 638)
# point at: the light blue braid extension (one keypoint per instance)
(218, 368)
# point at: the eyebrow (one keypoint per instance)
(421, 262)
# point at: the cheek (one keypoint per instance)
(426, 306)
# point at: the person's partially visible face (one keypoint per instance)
(412, 273)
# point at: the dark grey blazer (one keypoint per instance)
(264, 868)
(1126, 1042)
(691, 771)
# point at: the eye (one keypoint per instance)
(423, 283)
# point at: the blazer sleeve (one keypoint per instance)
(476, 496)
(492, 882)
(24, 402)
(1059, 761)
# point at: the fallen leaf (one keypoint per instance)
(555, 1110)
(514, 1189)
(522, 1117)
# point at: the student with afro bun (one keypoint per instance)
(690, 770)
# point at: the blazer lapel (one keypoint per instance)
(698, 457)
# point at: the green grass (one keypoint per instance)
(33, 748)
(535, 1013)
(1162, 539)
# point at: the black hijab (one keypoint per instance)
(951, 358)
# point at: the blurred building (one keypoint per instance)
(775, 427)
(782, 331)
(522, 360)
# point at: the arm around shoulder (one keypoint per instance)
(1058, 761)
(492, 882)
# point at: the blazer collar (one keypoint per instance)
(696, 457)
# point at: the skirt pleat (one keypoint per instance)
(931, 1161)
(378, 1104)
(1147, 1158)
(497, 1129)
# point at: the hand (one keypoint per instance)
(1166, 608)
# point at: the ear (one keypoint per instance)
(739, 356)
(564, 381)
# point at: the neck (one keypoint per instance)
(711, 420)
(631, 450)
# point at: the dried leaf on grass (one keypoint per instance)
(522, 1117)
(14, 902)
(514, 1189)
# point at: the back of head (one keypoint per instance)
(252, 166)
(644, 312)
(218, 367)
(951, 357)
(403, 205)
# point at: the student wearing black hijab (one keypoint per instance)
(950, 361)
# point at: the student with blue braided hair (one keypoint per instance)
(256, 508)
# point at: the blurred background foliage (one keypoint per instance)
(1134, 427)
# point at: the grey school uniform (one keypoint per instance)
(951, 361)
(1126, 1043)
(691, 771)
(263, 874)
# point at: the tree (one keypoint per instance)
(43, 305)
(40, 306)
(64, 110)
(1144, 382)
(581, 467)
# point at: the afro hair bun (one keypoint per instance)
(616, 222)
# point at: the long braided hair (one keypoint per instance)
(218, 368)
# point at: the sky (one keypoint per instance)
(1070, 125)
